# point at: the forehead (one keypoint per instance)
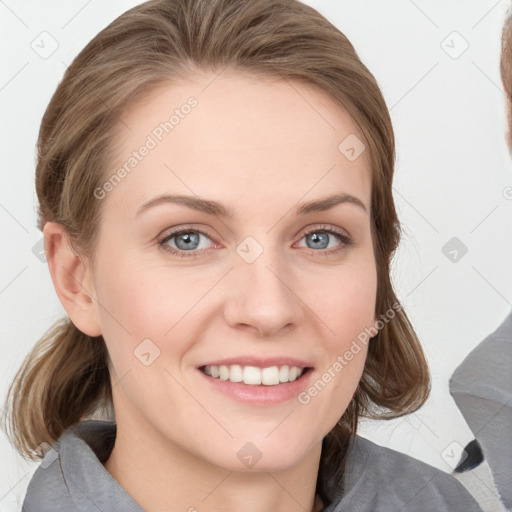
(237, 136)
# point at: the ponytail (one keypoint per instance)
(63, 379)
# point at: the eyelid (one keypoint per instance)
(342, 234)
(324, 227)
(182, 229)
(162, 239)
(304, 231)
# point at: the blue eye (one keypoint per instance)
(187, 242)
(319, 239)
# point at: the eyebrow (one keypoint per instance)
(215, 208)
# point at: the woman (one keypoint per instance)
(215, 188)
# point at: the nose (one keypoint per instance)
(261, 296)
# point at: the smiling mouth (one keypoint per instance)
(254, 375)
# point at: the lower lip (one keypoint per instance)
(260, 394)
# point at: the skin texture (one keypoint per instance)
(261, 147)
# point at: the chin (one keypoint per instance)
(262, 456)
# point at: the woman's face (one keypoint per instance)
(244, 285)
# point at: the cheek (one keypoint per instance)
(346, 302)
(141, 301)
(139, 297)
(131, 306)
(347, 309)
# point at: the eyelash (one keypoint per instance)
(339, 234)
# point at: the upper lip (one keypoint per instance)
(261, 362)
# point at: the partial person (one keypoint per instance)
(482, 385)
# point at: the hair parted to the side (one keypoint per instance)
(65, 377)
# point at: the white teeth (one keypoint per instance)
(253, 375)
(270, 376)
(236, 373)
(223, 372)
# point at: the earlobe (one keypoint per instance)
(71, 278)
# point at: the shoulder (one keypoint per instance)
(71, 476)
(495, 350)
(381, 479)
(47, 491)
(482, 385)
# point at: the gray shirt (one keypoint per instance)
(482, 389)
(72, 478)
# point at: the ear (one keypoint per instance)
(72, 279)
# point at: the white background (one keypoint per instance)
(452, 169)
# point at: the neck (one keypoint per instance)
(160, 475)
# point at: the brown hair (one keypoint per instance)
(506, 65)
(65, 377)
